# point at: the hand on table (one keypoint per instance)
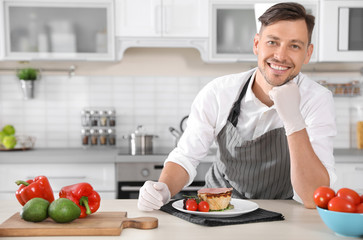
(153, 195)
(287, 101)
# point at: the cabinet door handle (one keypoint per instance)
(165, 19)
(61, 177)
(157, 19)
(359, 168)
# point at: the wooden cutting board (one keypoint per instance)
(97, 224)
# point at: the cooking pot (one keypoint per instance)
(140, 143)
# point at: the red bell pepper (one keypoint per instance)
(38, 187)
(84, 196)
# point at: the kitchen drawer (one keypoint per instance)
(350, 175)
(100, 176)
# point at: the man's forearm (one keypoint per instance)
(307, 171)
(175, 176)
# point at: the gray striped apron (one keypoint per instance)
(256, 169)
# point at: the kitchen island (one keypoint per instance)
(299, 223)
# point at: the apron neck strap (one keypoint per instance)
(235, 111)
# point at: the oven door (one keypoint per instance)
(130, 190)
(131, 176)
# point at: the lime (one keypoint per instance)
(35, 210)
(63, 210)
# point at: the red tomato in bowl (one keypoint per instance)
(203, 206)
(360, 208)
(339, 204)
(191, 204)
(322, 196)
(361, 198)
(349, 194)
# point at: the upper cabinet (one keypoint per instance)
(167, 18)
(341, 31)
(234, 25)
(162, 23)
(58, 30)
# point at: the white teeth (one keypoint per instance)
(277, 67)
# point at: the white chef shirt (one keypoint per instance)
(212, 105)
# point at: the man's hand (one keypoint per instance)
(287, 101)
(153, 195)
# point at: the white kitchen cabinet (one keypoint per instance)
(100, 175)
(162, 18)
(234, 25)
(162, 23)
(350, 175)
(58, 30)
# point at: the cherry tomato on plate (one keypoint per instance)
(339, 204)
(322, 196)
(349, 194)
(203, 206)
(191, 204)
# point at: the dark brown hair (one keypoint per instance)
(287, 11)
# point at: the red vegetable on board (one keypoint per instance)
(84, 196)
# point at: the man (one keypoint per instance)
(273, 125)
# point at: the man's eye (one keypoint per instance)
(271, 43)
(295, 46)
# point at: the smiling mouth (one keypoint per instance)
(278, 67)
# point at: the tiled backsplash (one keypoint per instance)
(157, 103)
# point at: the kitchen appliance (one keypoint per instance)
(133, 170)
(341, 31)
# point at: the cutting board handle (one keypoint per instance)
(140, 223)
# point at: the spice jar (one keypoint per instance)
(95, 117)
(103, 136)
(94, 137)
(103, 118)
(85, 136)
(112, 118)
(85, 118)
(111, 137)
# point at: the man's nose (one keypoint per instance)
(281, 53)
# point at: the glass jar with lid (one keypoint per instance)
(94, 136)
(111, 137)
(95, 117)
(85, 133)
(85, 118)
(103, 118)
(112, 118)
(103, 136)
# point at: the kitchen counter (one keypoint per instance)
(299, 223)
(110, 155)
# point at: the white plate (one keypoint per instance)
(240, 207)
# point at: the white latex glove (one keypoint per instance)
(287, 102)
(153, 195)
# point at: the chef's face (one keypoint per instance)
(282, 48)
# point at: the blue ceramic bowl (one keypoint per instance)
(346, 224)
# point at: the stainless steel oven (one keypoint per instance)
(133, 171)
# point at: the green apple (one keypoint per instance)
(9, 142)
(2, 135)
(9, 130)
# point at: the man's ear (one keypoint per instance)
(256, 41)
(309, 53)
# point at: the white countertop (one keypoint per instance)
(299, 223)
(110, 155)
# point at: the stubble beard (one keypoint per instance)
(268, 80)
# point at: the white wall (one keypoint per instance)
(151, 87)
